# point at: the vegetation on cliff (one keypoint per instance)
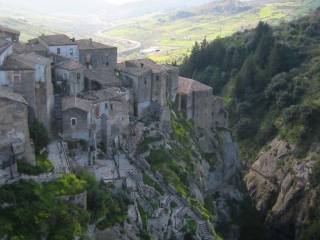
(29, 210)
(268, 78)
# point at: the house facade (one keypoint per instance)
(69, 75)
(60, 45)
(153, 85)
(97, 55)
(9, 34)
(195, 100)
(30, 75)
(15, 144)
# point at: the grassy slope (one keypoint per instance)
(176, 37)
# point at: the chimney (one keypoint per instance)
(73, 39)
(90, 41)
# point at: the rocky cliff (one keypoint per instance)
(281, 184)
(184, 182)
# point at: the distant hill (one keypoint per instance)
(224, 6)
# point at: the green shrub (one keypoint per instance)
(68, 184)
(149, 181)
(43, 165)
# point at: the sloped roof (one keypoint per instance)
(31, 46)
(4, 44)
(187, 85)
(11, 63)
(77, 103)
(111, 93)
(146, 64)
(103, 76)
(6, 93)
(8, 30)
(32, 58)
(57, 40)
(70, 64)
(88, 44)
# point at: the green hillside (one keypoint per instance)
(173, 34)
(269, 79)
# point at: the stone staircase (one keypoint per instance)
(203, 231)
(58, 112)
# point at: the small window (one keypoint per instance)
(107, 63)
(73, 122)
(111, 107)
(145, 81)
(157, 78)
(71, 51)
(78, 76)
(106, 106)
(58, 51)
(17, 77)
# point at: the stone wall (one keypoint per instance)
(97, 58)
(202, 109)
(14, 127)
(24, 83)
(71, 84)
(80, 130)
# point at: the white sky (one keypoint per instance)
(119, 1)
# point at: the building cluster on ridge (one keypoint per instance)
(76, 88)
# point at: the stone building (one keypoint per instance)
(97, 55)
(14, 133)
(103, 112)
(69, 75)
(9, 34)
(76, 115)
(96, 79)
(5, 50)
(60, 45)
(30, 75)
(195, 100)
(152, 85)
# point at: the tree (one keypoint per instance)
(39, 135)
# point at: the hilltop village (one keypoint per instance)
(96, 111)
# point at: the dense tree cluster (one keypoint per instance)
(261, 74)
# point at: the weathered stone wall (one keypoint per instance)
(202, 109)
(72, 81)
(159, 88)
(24, 84)
(80, 130)
(106, 58)
(14, 122)
(172, 83)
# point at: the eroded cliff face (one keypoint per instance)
(182, 182)
(280, 184)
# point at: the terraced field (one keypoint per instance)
(165, 38)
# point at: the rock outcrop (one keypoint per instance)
(279, 183)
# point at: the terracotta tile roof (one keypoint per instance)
(86, 44)
(31, 59)
(70, 65)
(187, 85)
(8, 30)
(146, 64)
(11, 63)
(77, 103)
(57, 40)
(6, 93)
(103, 76)
(107, 94)
(19, 47)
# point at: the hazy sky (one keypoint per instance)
(119, 1)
